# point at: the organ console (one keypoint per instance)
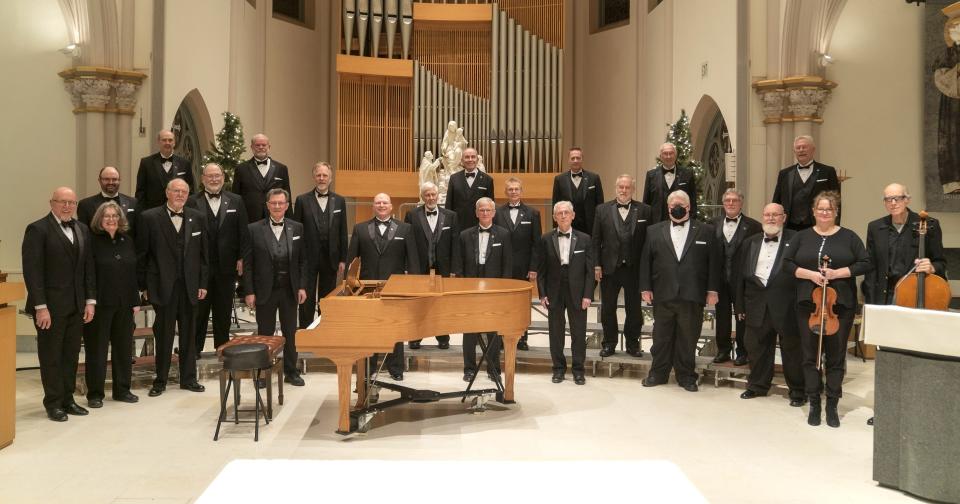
(362, 318)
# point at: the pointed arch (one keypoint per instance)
(193, 129)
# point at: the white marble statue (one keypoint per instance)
(480, 165)
(428, 169)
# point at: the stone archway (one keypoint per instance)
(193, 130)
(711, 142)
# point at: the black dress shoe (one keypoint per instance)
(57, 414)
(750, 394)
(295, 380)
(522, 345)
(579, 379)
(741, 361)
(557, 377)
(75, 409)
(192, 387)
(156, 389)
(635, 352)
(126, 397)
(607, 351)
(443, 345)
(414, 345)
(468, 375)
(649, 382)
(95, 403)
(396, 376)
(720, 358)
(691, 387)
(797, 402)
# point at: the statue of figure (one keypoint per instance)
(480, 165)
(444, 181)
(428, 168)
(451, 148)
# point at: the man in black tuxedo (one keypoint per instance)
(436, 234)
(679, 274)
(523, 223)
(798, 184)
(227, 239)
(766, 299)
(323, 214)
(172, 270)
(274, 276)
(619, 230)
(157, 170)
(254, 177)
(581, 188)
(109, 180)
(466, 187)
(485, 252)
(666, 178)
(732, 229)
(385, 246)
(565, 281)
(59, 273)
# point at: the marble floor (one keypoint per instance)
(731, 450)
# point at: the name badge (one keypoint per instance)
(295, 238)
(701, 242)
(196, 234)
(496, 244)
(336, 211)
(231, 210)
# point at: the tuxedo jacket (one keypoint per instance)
(258, 262)
(152, 179)
(655, 191)
(446, 237)
(579, 271)
(498, 254)
(397, 253)
(779, 295)
(87, 207)
(157, 254)
(790, 187)
(687, 278)
(608, 227)
(307, 212)
(253, 187)
(584, 197)
(227, 234)
(116, 266)
(908, 248)
(523, 237)
(462, 198)
(731, 250)
(58, 273)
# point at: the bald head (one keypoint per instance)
(109, 180)
(63, 203)
(382, 206)
(896, 200)
(177, 192)
(166, 142)
(260, 145)
(773, 218)
(212, 178)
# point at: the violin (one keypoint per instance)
(823, 321)
(922, 290)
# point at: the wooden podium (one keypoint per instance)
(10, 292)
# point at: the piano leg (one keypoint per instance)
(509, 364)
(344, 378)
(361, 383)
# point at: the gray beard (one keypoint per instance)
(771, 229)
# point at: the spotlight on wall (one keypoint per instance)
(826, 59)
(71, 50)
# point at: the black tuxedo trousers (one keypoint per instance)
(179, 316)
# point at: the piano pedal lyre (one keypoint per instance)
(365, 421)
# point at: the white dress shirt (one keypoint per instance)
(277, 230)
(623, 211)
(576, 180)
(471, 180)
(213, 202)
(679, 236)
(730, 227)
(432, 219)
(264, 168)
(68, 231)
(565, 247)
(670, 176)
(167, 163)
(482, 244)
(766, 258)
(514, 213)
(382, 226)
(805, 171)
(176, 220)
(322, 201)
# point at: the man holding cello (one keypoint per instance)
(894, 245)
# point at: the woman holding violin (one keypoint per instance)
(826, 259)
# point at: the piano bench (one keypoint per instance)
(274, 347)
(251, 358)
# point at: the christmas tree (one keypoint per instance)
(228, 149)
(679, 136)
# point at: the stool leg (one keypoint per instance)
(236, 398)
(269, 393)
(279, 366)
(224, 393)
(256, 410)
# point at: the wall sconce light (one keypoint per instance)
(826, 59)
(71, 50)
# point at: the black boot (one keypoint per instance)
(814, 417)
(833, 419)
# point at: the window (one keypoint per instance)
(299, 12)
(606, 14)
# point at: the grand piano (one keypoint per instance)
(362, 317)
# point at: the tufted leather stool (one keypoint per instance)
(252, 358)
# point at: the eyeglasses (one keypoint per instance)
(111, 217)
(772, 215)
(276, 203)
(69, 203)
(895, 199)
(825, 210)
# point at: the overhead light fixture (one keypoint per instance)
(826, 59)
(71, 49)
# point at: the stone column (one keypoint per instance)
(791, 107)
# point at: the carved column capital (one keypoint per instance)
(105, 90)
(794, 99)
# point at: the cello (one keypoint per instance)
(922, 290)
(823, 321)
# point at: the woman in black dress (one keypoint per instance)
(848, 259)
(117, 301)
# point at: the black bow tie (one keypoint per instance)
(176, 214)
(166, 159)
(728, 219)
(801, 167)
(67, 224)
(115, 199)
(563, 235)
(322, 195)
(484, 230)
(577, 174)
(383, 223)
(669, 170)
(430, 213)
(470, 174)
(678, 224)
(625, 207)
(279, 224)
(261, 162)
(514, 207)
(212, 195)
(773, 239)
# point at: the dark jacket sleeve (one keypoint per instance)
(596, 236)
(141, 191)
(647, 195)
(589, 280)
(740, 278)
(862, 264)
(556, 191)
(789, 262)
(777, 196)
(32, 251)
(537, 232)
(413, 259)
(693, 194)
(236, 187)
(142, 238)
(244, 230)
(89, 264)
(599, 192)
(646, 264)
(342, 217)
(716, 260)
(507, 252)
(870, 278)
(246, 281)
(542, 267)
(204, 255)
(303, 260)
(456, 265)
(354, 249)
(450, 203)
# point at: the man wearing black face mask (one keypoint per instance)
(679, 274)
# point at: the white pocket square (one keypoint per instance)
(524, 222)
(336, 211)
(181, 173)
(295, 238)
(482, 188)
(277, 178)
(682, 183)
(231, 210)
(577, 251)
(592, 187)
(131, 209)
(701, 242)
(821, 180)
(398, 238)
(641, 220)
(496, 244)
(444, 228)
(196, 234)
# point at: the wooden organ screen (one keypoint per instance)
(373, 123)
